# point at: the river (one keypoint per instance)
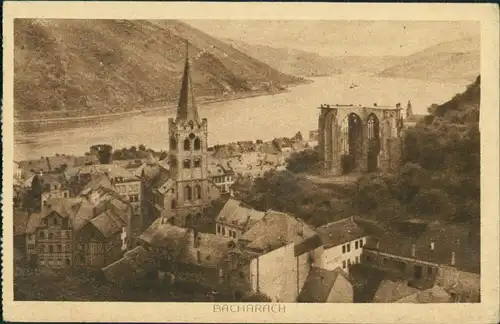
(263, 117)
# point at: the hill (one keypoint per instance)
(310, 64)
(87, 67)
(287, 60)
(453, 60)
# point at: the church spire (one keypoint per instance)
(187, 110)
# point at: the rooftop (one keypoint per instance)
(340, 232)
(276, 229)
(318, 285)
(235, 214)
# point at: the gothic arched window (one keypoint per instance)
(197, 144)
(197, 192)
(173, 143)
(187, 144)
(188, 194)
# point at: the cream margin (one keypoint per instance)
(485, 312)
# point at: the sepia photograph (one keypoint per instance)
(262, 161)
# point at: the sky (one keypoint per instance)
(334, 38)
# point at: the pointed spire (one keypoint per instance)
(187, 110)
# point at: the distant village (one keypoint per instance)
(147, 219)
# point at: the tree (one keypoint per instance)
(303, 161)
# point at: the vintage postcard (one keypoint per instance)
(250, 162)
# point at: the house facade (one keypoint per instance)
(49, 237)
(341, 245)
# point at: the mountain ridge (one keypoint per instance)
(452, 60)
(67, 68)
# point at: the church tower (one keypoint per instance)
(188, 156)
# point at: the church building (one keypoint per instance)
(185, 189)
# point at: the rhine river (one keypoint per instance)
(263, 117)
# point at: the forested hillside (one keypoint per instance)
(86, 67)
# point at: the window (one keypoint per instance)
(361, 243)
(356, 245)
(187, 144)
(197, 144)
(173, 204)
(188, 194)
(348, 263)
(223, 231)
(51, 236)
(65, 222)
(187, 164)
(173, 143)
(42, 234)
(51, 249)
(357, 259)
(197, 192)
(198, 256)
(68, 262)
(197, 163)
(343, 264)
(65, 195)
(58, 248)
(343, 248)
(218, 228)
(349, 247)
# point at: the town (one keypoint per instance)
(177, 225)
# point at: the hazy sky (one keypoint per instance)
(367, 38)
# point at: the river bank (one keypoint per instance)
(147, 110)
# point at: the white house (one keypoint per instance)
(341, 245)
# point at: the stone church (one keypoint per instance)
(183, 190)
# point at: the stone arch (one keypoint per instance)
(351, 142)
(329, 138)
(373, 138)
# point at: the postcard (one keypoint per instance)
(250, 162)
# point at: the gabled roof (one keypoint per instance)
(108, 224)
(212, 248)
(318, 285)
(63, 207)
(340, 232)
(436, 294)
(163, 235)
(235, 215)
(390, 291)
(134, 265)
(276, 229)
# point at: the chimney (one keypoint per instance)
(453, 260)
(413, 248)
